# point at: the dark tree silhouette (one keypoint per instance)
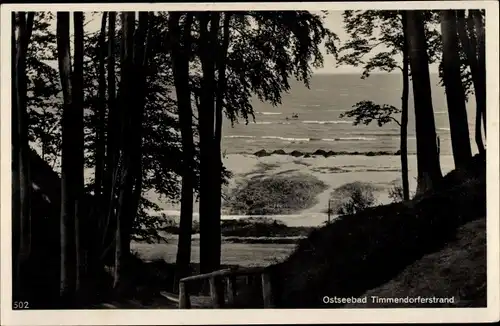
(455, 94)
(21, 183)
(69, 161)
(429, 170)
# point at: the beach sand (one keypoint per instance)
(381, 171)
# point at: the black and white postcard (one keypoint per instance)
(350, 151)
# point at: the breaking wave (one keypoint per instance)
(326, 122)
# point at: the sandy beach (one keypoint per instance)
(381, 171)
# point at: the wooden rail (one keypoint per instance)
(228, 276)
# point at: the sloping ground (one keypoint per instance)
(457, 271)
(361, 252)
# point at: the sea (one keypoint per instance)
(318, 124)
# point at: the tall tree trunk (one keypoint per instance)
(404, 115)
(67, 223)
(221, 52)
(429, 170)
(100, 143)
(470, 53)
(137, 114)
(455, 94)
(21, 173)
(481, 58)
(133, 74)
(141, 61)
(107, 223)
(209, 224)
(77, 126)
(181, 53)
(16, 185)
(126, 179)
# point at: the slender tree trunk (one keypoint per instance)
(21, 172)
(404, 115)
(481, 58)
(100, 150)
(209, 224)
(470, 54)
(429, 170)
(67, 223)
(181, 53)
(108, 222)
(127, 105)
(137, 113)
(133, 74)
(455, 94)
(16, 179)
(221, 92)
(78, 167)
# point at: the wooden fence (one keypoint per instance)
(224, 293)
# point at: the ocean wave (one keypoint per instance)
(285, 138)
(239, 136)
(349, 139)
(262, 122)
(326, 122)
(444, 129)
(310, 105)
(440, 112)
(320, 139)
(269, 113)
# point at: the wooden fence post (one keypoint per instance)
(266, 290)
(184, 302)
(215, 291)
(231, 289)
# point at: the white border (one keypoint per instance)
(271, 316)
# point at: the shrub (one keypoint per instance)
(352, 198)
(396, 194)
(260, 227)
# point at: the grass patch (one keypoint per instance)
(458, 270)
(276, 194)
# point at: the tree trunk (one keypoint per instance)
(181, 53)
(455, 94)
(126, 179)
(132, 103)
(100, 143)
(429, 170)
(21, 173)
(404, 115)
(108, 204)
(221, 52)
(481, 58)
(470, 53)
(209, 224)
(68, 176)
(78, 167)
(137, 114)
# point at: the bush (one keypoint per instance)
(352, 198)
(260, 227)
(396, 194)
(276, 194)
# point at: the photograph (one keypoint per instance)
(343, 146)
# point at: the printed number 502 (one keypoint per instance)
(21, 305)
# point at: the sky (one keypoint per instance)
(333, 22)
